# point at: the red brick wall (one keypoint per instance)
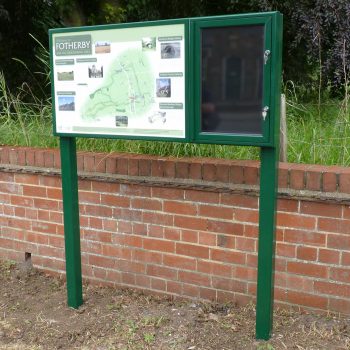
(183, 227)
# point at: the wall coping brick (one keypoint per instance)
(299, 181)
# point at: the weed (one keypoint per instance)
(149, 338)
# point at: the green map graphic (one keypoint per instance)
(127, 89)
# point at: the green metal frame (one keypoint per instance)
(265, 139)
(268, 141)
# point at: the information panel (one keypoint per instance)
(120, 81)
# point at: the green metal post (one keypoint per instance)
(266, 254)
(71, 221)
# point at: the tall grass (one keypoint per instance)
(317, 133)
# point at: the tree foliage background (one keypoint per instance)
(316, 32)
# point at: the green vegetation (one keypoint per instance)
(317, 134)
(316, 58)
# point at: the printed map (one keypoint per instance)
(127, 89)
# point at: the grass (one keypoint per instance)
(315, 135)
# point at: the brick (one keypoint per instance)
(339, 305)
(164, 219)
(299, 283)
(236, 174)
(174, 287)
(122, 166)
(158, 245)
(145, 167)
(239, 200)
(194, 278)
(195, 171)
(215, 269)
(287, 205)
(179, 262)
(329, 256)
(345, 259)
(102, 187)
(135, 190)
(223, 173)
(251, 175)
(111, 165)
(10, 188)
(312, 270)
(161, 271)
(328, 288)
(89, 197)
(147, 256)
(37, 238)
(133, 167)
(307, 253)
(155, 231)
(295, 221)
(189, 236)
(225, 227)
(34, 191)
(329, 182)
(287, 250)
(297, 179)
(334, 225)
(169, 169)
(304, 237)
(202, 196)
(245, 273)
(157, 168)
(178, 207)
(94, 210)
(146, 203)
(231, 257)
(338, 242)
(313, 180)
(283, 176)
(143, 281)
(305, 299)
(114, 201)
(339, 274)
(125, 227)
(207, 294)
(50, 181)
(229, 284)
(44, 227)
(226, 241)
(321, 209)
(139, 229)
(192, 250)
(213, 211)
(128, 278)
(344, 183)
(209, 172)
(168, 193)
(191, 223)
(251, 231)
(181, 170)
(246, 215)
(20, 200)
(190, 290)
(158, 284)
(130, 266)
(27, 179)
(206, 238)
(172, 234)
(245, 244)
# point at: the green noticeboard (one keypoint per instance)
(203, 80)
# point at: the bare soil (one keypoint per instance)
(34, 315)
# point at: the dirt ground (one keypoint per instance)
(34, 315)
